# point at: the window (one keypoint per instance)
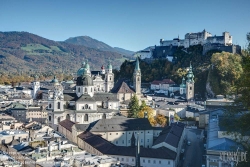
(148, 140)
(79, 89)
(86, 106)
(49, 105)
(141, 140)
(110, 134)
(190, 88)
(86, 90)
(122, 141)
(138, 79)
(86, 117)
(122, 159)
(148, 161)
(168, 162)
(128, 141)
(132, 159)
(49, 118)
(91, 90)
(58, 105)
(154, 161)
(159, 162)
(143, 160)
(116, 133)
(116, 142)
(110, 78)
(117, 158)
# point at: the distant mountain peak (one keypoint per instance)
(96, 44)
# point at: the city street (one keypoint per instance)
(193, 152)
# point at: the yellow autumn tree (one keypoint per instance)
(144, 109)
(161, 119)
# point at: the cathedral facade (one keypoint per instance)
(90, 101)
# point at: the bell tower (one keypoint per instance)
(109, 77)
(137, 77)
(190, 84)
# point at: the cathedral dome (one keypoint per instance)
(80, 72)
(84, 80)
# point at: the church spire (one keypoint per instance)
(137, 66)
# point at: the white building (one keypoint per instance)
(90, 101)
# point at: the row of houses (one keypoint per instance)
(118, 137)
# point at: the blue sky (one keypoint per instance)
(129, 24)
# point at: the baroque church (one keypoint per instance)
(92, 98)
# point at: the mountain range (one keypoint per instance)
(27, 52)
(93, 43)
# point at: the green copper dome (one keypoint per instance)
(54, 80)
(190, 75)
(109, 65)
(183, 85)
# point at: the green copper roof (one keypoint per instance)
(183, 85)
(137, 66)
(54, 80)
(109, 65)
(190, 75)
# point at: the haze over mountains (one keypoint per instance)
(23, 51)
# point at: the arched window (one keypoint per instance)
(91, 90)
(68, 117)
(86, 106)
(79, 89)
(86, 117)
(138, 79)
(49, 105)
(110, 78)
(86, 90)
(58, 105)
(104, 116)
(49, 118)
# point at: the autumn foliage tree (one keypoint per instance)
(161, 120)
(144, 109)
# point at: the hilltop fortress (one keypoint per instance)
(204, 38)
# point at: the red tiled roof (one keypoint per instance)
(155, 82)
(164, 81)
(67, 124)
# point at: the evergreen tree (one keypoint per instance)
(133, 107)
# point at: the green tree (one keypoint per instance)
(241, 123)
(176, 117)
(133, 107)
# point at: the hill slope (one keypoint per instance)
(93, 43)
(29, 52)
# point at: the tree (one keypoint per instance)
(241, 123)
(149, 111)
(176, 117)
(161, 120)
(133, 107)
(226, 71)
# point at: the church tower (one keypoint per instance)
(55, 104)
(36, 87)
(137, 78)
(190, 84)
(109, 78)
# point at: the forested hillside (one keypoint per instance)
(161, 68)
(29, 53)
